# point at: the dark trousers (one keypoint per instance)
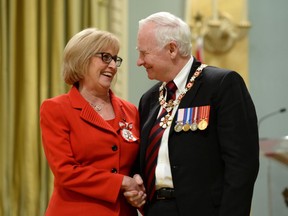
(163, 207)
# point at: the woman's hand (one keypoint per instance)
(134, 190)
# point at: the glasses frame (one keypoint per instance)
(107, 58)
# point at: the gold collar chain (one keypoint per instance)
(168, 106)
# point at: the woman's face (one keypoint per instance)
(100, 74)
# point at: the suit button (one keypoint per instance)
(113, 170)
(114, 148)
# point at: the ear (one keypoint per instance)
(173, 49)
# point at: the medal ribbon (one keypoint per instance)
(195, 113)
(180, 116)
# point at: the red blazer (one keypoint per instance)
(87, 155)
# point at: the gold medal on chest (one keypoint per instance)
(186, 127)
(202, 125)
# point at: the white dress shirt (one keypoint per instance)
(163, 169)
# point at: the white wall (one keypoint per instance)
(269, 63)
(269, 89)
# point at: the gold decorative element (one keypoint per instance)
(219, 34)
(202, 125)
(186, 127)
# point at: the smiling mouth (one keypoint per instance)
(107, 74)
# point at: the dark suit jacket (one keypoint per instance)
(213, 170)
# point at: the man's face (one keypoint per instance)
(155, 59)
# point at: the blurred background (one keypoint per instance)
(249, 37)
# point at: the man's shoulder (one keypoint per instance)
(216, 71)
(212, 72)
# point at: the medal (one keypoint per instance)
(186, 127)
(202, 125)
(187, 118)
(204, 112)
(127, 135)
(178, 127)
(125, 131)
(179, 120)
(169, 105)
(165, 121)
(193, 126)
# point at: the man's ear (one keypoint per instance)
(173, 49)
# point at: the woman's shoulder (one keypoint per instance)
(54, 102)
(56, 99)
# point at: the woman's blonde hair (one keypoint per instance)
(81, 47)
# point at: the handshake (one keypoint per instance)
(134, 190)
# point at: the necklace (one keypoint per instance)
(97, 107)
(169, 106)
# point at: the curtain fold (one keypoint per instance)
(33, 34)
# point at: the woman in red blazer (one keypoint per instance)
(90, 136)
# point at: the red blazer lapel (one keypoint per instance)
(88, 113)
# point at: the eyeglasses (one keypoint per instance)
(107, 58)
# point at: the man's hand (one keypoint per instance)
(134, 190)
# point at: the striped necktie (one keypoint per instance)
(154, 144)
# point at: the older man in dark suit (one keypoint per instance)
(199, 152)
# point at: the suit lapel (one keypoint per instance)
(188, 98)
(145, 131)
(118, 110)
(152, 115)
